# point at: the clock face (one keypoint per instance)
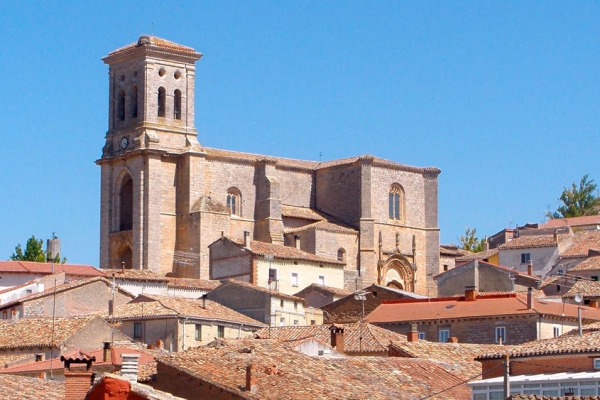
(124, 143)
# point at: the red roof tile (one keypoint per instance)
(156, 43)
(582, 243)
(590, 264)
(46, 268)
(25, 388)
(575, 221)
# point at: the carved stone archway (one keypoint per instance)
(397, 272)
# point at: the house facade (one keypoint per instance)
(165, 197)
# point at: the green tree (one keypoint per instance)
(470, 242)
(578, 200)
(34, 251)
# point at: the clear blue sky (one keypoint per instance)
(503, 97)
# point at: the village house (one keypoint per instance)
(355, 306)
(485, 277)
(36, 285)
(448, 255)
(577, 224)
(316, 295)
(354, 339)
(179, 323)
(268, 306)
(509, 318)
(269, 369)
(14, 273)
(283, 268)
(489, 256)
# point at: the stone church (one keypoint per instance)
(165, 198)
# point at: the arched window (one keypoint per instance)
(177, 104)
(121, 105)
(396, 202)
(341, 254)
(126, 205)
(234, 201)
(134, 102)
(162, 101)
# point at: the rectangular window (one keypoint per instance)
(272, 274)
(443, 336)
(500, 334)
(595, 278)
(281, 303)
(295, 322)
(596, 363)
(321, 280)
(556, 331)
(5, 315)
(295, 305)
(294, 279)
(198, 332)
(525, 258)
(220, 331)
(137, 330)
(282, 321)
(421, 335)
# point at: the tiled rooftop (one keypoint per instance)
(327, 290)
(589, 264)
(486, 306)
(582, 242)
(156, 42)
(41, 268)
(374, 338)
(276, 294)
(565, 344)
(37, 332)
(575, 221)
(25, 388)
(531, 241)
(482, 255)
(323, 226)
(189, 283)
(142, 275)
(165, 306)
(282, 373)
(288, 253)
(585, 288)
(300, 212)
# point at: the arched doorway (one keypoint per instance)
(398, 273)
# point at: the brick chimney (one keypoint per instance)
(486, 244)
(78, 378)
(470, 294)
(453, 339)
(204, 301)
(530, 298)
(247, 239)
(337, 337)
(159, 344)
(530, 268)
(297, 241)
(129, 370)
(251, 378)
(413, 334)
(106, 356)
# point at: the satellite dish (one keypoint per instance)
(578, 297)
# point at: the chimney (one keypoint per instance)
(486, 245)
(129, 370)
(204, 301)
(337, 337)
(453, 339)
(530, 298)
(247, 239)
(15, 315)
(530, 268)
(123, 267)
(297, 241)
(470, 294)
(251, 378)
(556, 235)
(159, 344)
(593, 303)
(78, 379)
(413, 334)
(106, 356)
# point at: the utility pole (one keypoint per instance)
(506, 376)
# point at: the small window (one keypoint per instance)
(444, 335)
(500, 334)
(134, 102)
(525, 258)
(294, 279)
(162, 101)
(220, 331)
(272, 274)
(198, 332)
(281, 303)
(595, 278)
(321, 280)
(5, 314)
(121, 105)
(296, 322)
(282, 321)
(137, 330)
(556, 330)
(234, 201)
(295, 305)
(396, 200)
(596, 363)
(421, 336)
(341, 254)
(445, 267)
(177, 104)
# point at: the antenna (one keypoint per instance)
(152, 28)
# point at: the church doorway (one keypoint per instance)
(397, 273)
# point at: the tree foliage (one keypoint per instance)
(470, 242)
(578, 200)
(34, 251)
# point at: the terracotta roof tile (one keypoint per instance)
(46, 268)
(288, 253)
(25, 388)
(154, 42)
(37, 332)
(147, 306)
(142, 275)
(589, 264)
(374, 338)
(486, 306)
(585, 288)
(575, 221)
(301, 212)
(282, 373)
(533, 238)
(189, 283)
(582, 242)
(478, 256)
(276, 294)
(327, 290)
(323, 226)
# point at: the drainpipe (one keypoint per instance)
(183, 341)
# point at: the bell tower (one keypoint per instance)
(150, 127)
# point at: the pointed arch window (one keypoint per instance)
(396, 202)
(234, 201)
(126, 205)
(177, 104)
(134, 102)
(162, 101)
(121, 105)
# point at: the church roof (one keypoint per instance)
(156, 43)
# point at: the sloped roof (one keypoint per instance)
(589, 264)
(582, 242)
(471, 264)
(141, 275)
(574, 221)
(276, 294)
(156, 43)
(530, 241)
(486, 306)
(190, 283)
(42, 268)
(165, 306)
(374, 338)
(326, 290)
(585, 288)
(482, 255)
(282, 373)
(37, 332)
(301, 212)
(25, 388)
(323, 226)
